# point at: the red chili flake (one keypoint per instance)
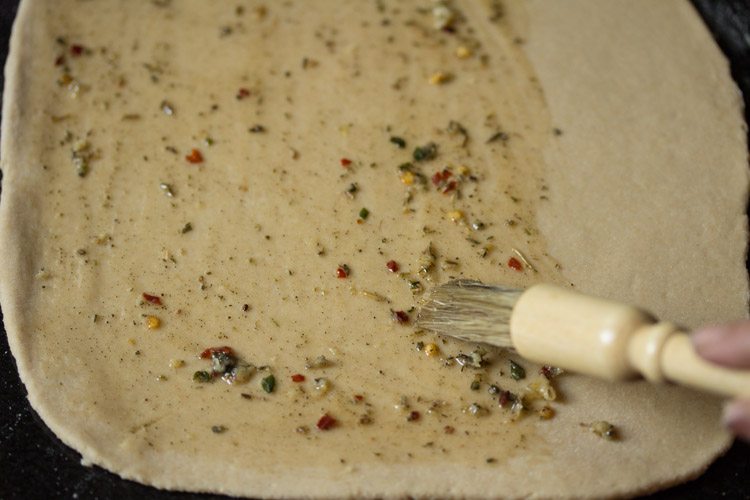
(76, 49)
(342, 271)
(326, 422)
(449, 429)
(195, 156)
(298, 377)
(450, 187)
(414, 415)
(505, 398)
(400, 317)
(345, 162)
(392, 266)
(242, 93)
(514, 263)
(547, 372)
(209, 351)
(437, 178)
(440, 177)
(60, 60)
(152, 299)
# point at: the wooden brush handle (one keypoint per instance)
(610, 340)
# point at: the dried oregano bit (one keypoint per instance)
(398, 141)
(517, 372)
(426, 152)
(268, 383)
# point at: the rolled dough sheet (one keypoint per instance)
(599, 144)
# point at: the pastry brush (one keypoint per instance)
(564, 328)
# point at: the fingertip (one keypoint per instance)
(727, 345)
(737, 418)
(708, 336)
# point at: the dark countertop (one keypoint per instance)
(35, 464)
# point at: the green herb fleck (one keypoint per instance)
(517, 372)
(473, 360)
(218, 429)
(498, 136)
(364, 213)
(426, 152)
(420, 345)
(398, 141)
(455, 128)
(268, 384)
(201, 376)
(186, 228)
(82, 166)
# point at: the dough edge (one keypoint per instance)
(13, 294)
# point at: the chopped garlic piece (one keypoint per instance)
(439, 78)
(463, 52)
(455, 215)
(176, 363)
(152, 322)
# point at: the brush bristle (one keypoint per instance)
(470, 310)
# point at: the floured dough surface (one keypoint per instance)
(256, 166)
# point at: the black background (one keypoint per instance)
(35, 464)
